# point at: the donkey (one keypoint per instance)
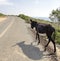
(44, 28)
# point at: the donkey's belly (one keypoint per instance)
(41, 30)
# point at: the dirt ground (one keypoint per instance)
(2, 19)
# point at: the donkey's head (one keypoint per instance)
(33, 23)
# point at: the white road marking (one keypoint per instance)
(6, 29)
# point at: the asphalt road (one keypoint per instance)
(16, 42)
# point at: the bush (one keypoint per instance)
(58, 37)
(1, 14)
(26, 18)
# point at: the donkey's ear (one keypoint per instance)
(30, 20)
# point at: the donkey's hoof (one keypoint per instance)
(38, 43)
(45, 49)
(54, 51)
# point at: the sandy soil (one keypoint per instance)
(2, 19)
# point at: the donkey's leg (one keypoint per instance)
(36, 35)
(38, 38)
(47, 44)
(50, 39)
(54, 45)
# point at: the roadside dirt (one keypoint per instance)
(2, 19)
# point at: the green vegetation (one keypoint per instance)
(1, 15)
(55, 25)
(55, 17)
(58, 37)
(26, 18)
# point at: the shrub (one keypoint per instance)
(1, 14)
(26, 18)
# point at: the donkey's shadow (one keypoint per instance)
(31, 51)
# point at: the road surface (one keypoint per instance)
(17, 42)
